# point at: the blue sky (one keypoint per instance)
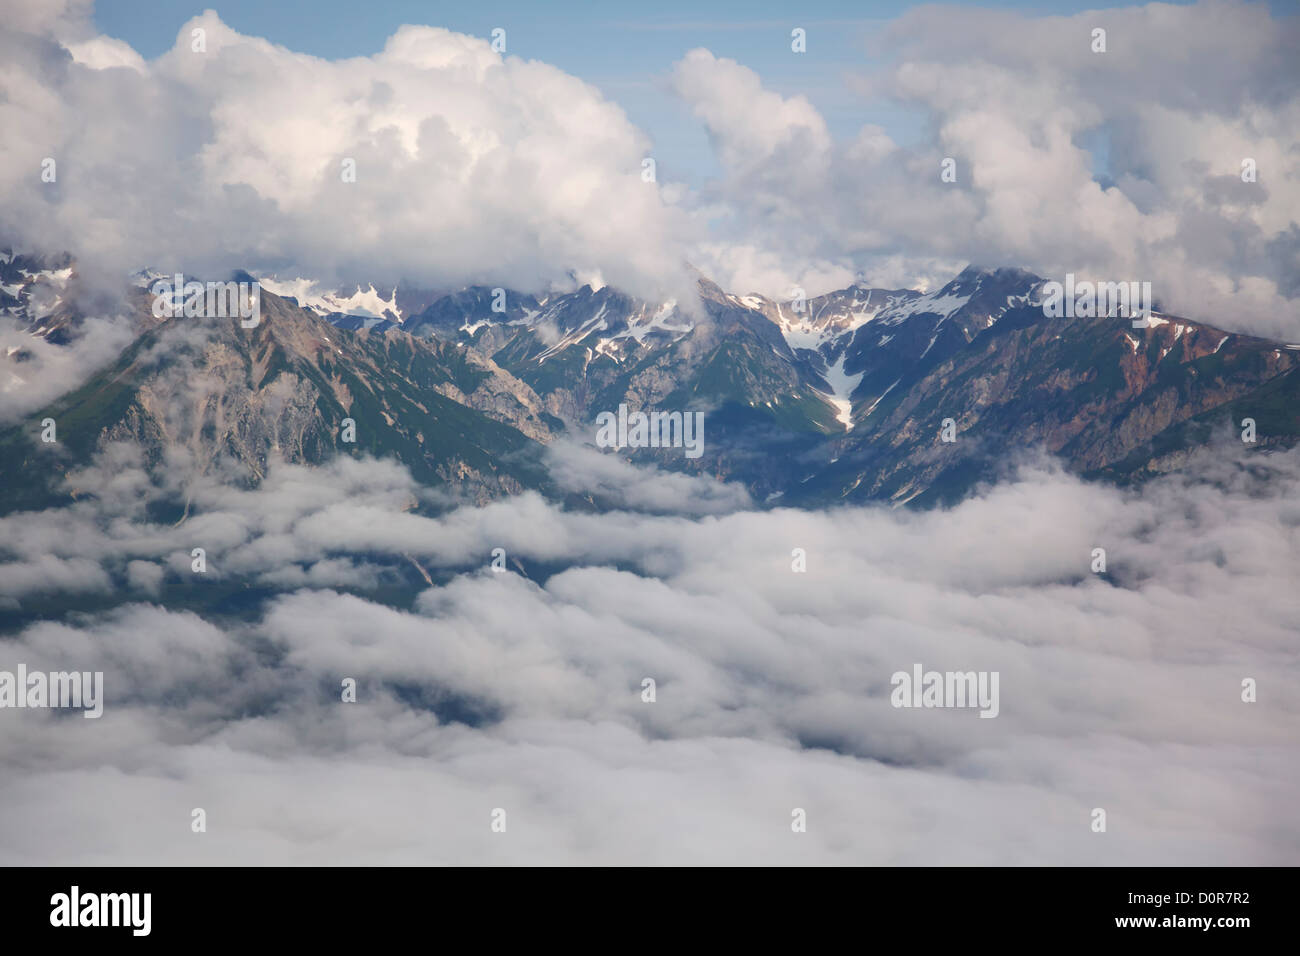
(624, 49)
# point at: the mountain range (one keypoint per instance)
(839, 397)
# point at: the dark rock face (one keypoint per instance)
(845, 396)
(202, 395)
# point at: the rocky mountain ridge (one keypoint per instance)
(846, 396)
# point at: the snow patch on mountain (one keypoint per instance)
(882, 397)
(660, 320)
(938, 303)
(38, 293)
(833, 319)
(842, 385)
(596, 323)
(366, 303)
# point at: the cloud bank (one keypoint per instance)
(469, 166)
(1180, 97)
(477, 167)
(493, 690)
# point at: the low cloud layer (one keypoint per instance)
(48, 370)
(492, 690)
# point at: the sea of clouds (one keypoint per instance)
(500, 690)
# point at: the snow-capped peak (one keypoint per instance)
(368, 302)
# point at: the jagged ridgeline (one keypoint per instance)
(842, 397)
(202, 395)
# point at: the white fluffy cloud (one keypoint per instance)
(495, 690)
(470, 166)
(1180, 97)
(473, 167)
(49, 370)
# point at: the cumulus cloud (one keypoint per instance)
(68, 20)
(617, 483)
(474, 167)
(1020, 103)
(491, 690)
(469, 166)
